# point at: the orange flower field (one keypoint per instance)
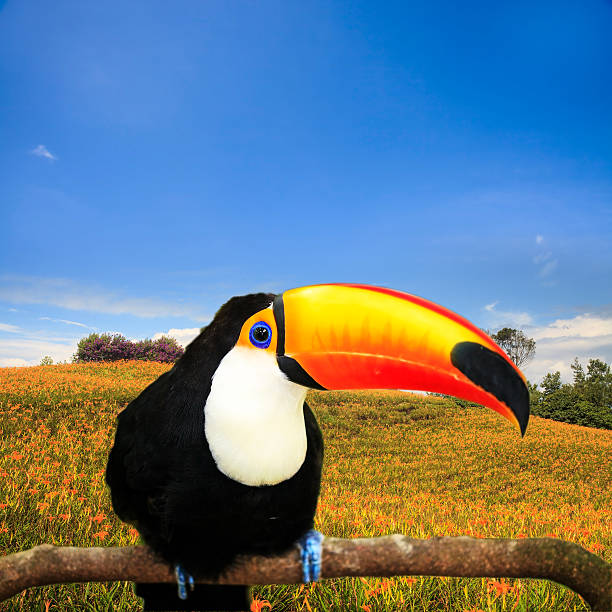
(395, 463)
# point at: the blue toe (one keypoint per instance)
(310, 545)
(182, 578)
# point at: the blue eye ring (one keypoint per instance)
(260, 335)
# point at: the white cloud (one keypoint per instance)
(29, 351)
(67, 294)
(586, 336)
(13, 329)
(546, 262)
(42, 151)
(503, 318)
(14, 363)
(182, 336)
(585, 326)
(548, 268)
(66, 322)
(539, 239)
(542, 257)
(30, 347)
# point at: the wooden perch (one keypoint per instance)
(549, 558)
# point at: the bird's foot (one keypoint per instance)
(310, 545)
(182, 580)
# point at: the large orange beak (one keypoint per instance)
(361, 337)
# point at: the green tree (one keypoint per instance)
(550, 384)
(517, 345)
(46, 360)
(534, 394)
(588, 401)
(579, 376)
(598, 384)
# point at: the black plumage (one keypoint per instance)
(164, 480)
(163, 476)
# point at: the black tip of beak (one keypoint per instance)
(494, 374)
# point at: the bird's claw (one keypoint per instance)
(182, 579)
(310, 545)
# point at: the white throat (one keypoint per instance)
(254, 419)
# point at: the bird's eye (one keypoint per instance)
(260, 335)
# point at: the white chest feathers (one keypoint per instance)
(254, 419)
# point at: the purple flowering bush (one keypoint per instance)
(112, 347)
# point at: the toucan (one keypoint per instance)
(221, 455)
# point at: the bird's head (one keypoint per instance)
(340, 336)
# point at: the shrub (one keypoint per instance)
(164, 349)
(113, 347)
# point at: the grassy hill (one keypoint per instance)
(395, 463)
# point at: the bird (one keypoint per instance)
(221, 456)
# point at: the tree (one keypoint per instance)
(579, 377)
(46, 360)
(587, 402)
(551, 383)
(517, 345)
(598, 384)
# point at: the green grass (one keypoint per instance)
(395, 463)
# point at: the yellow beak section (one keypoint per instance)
(362, 337)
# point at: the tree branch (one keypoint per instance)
(549, 558)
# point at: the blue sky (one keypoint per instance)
(157, 158)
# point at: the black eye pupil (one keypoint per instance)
(260, 334)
